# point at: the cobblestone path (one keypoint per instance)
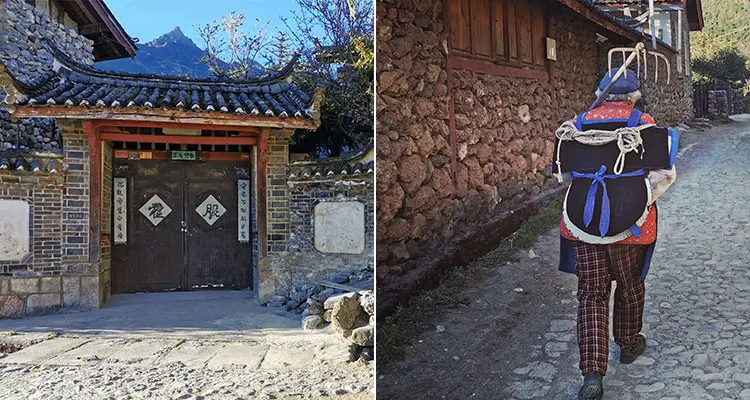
(516, 338)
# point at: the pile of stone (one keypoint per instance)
(350, 313)
(31, 134)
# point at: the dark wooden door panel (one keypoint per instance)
(215, 259)
(195, 245)
(152, 258)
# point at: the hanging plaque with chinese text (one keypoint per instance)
(120, 205)
(243, 210)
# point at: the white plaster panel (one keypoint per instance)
(340, 227)
(14, 230)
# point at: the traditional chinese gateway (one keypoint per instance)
(138, 182)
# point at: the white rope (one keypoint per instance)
(628, 139)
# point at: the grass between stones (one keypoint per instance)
(399, 329)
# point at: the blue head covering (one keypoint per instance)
(628, 84)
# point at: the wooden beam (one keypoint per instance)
(151, 124)
(128, 137)
(484, 67)
(90, 29)
(216, 120)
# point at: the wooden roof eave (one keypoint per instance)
(158, 116)
(592, 16)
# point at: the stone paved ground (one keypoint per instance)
(197, 345)
(515, 340)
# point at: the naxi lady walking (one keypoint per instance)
(618, 163)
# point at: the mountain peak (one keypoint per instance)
(175, 36)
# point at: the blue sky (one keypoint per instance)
(149, 19)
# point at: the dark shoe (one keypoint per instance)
(592, 388)
(630, 353)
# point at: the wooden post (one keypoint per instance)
(95, 190)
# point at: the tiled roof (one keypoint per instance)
(627, 24)
(359, 164)
(77, 85)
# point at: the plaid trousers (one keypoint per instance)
(596, 267)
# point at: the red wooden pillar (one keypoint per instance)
(262, 193)
(95, 189)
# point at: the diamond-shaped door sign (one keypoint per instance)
(155, 210)
(210, 210)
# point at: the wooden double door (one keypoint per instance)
(184, 221)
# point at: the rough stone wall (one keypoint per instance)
(22, 47)
(718, 105)
(737, 98)
(669, 103)
(504, 132)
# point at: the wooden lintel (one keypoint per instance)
(150, 124)
(127, 137)
(152, 117)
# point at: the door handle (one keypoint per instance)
(183, 227)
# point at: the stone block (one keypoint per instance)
(363, 336)
(4, 286)
(51, 284)
(14, 223)
(340, 227)
(24, 285)
(40, 303)
(10, 307)
(71, 290)
(89, 292)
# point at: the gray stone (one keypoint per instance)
(90, 292)
(71, 291)
(340, 278)
(346, 313)
(367, 301)
(51, 284)
(654, 387)
(24, 285)
(331, 301)
(42, 302)
(10, 307)
(312, 322)
(364, 336)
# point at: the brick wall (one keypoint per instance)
(58, 273)
(277, 192)
(76, 193)
(43, 193)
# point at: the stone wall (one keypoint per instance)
(718, 105)
(311, 187)
(504, 134)
(22, 40)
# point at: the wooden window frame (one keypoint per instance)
(502, 60)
